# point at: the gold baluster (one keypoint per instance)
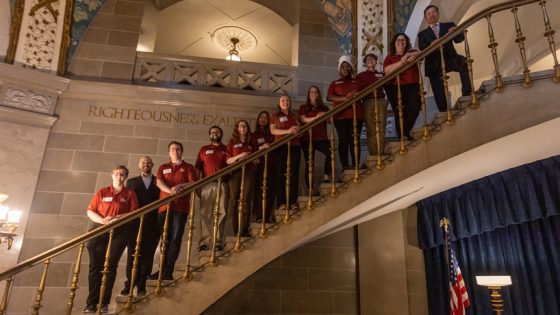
(241, 205)
(129, 302)
(287, 217)
(41, 289)
(74, 285)
(6, 296)
(159, 288)
(334, 192)
(357, 178)
(213, 258)
(403, 150)
(425, 131)
(264, 232)
(520, 40)
(187, 275)
(310, 204)
(378, 133)
(492, 46)
(105, 272)
(450, 121)
(549, 34)
(474, 99)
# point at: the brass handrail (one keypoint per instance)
(257, 155)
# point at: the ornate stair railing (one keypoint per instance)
(79, 242)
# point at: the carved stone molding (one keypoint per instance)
(27, 99)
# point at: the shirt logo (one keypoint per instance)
(209, 151)
(107, 199)
(182, 170)
(167, 171)
(123, 200)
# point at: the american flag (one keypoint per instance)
(458, 296)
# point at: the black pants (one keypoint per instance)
(175, 230)
(437, 84)
(234, 184)
(321, 146)
(148, 246)
(271, 191)
(282, 158)
(97, 248)
(411, 106)
(345, 132)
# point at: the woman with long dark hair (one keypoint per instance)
(401, 53)
(262, 138)
(285, 122)
(239, 147)
(308, 112)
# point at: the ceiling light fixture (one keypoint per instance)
(233, 53)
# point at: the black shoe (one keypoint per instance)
(219, 247)
(104, 308)
(167, 278)
(90, 309)
(154, 276)
(141, 292)
(125, 291)
(258, 220)
(246, 234)
(203, 247)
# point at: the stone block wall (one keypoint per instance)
(318, 278)
(108, 48)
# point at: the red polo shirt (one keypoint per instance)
(259, 138)
(172, 175)
(235, 148)
(367, 78)
(320, 131)
(341, 88)
(211, 158)
(410, 76)
(284, 122)
(107, 203)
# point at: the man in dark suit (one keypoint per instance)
(453, 61)
(147, 192)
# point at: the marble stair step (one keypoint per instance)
(255, 227)
(372, 159)
(325, 188)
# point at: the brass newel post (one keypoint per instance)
(129, 301)
(444, 78)
(334, 193)
(287, 217)
(6, 296)
(356, 146)
(310, 204)
(264, 232)
(378, 133)
(549, 34)
(41, 289)
(496, 300)
(213, 259)
(520, 40)
(422, 92)
(240, 206)
(474, 99)
(159, 287)
(187, 275)
(74, 285)
(402, 150)
(492, 46)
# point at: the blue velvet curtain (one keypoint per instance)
(506, 223)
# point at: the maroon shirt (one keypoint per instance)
(367, 78)
(238, 147)
(410, 76)
(211, 158)
(320, 131)
(172, 175)
(284, 122)
(342, 87)
(259, 138)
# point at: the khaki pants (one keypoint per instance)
(369, 115)
(207, 202)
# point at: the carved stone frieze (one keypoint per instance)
(38, 49)
(27, 99)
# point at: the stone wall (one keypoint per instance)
(318, 278)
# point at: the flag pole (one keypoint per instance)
(444, 223)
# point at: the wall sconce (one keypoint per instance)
(233, 53)
(494, 283)
(9, 222)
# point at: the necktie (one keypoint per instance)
(435, 28)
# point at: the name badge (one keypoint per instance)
(182, 170)
(260, 140)
(283, 119)
(167, 171)
(107, 199)
(238, 145)
(123, 200)
(209, 151)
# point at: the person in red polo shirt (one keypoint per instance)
(107, 205)
(340, 91)
(308, 112)
(402, 53)
(284, 122)
(172, 178)
(239, 147)
(212, 158)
